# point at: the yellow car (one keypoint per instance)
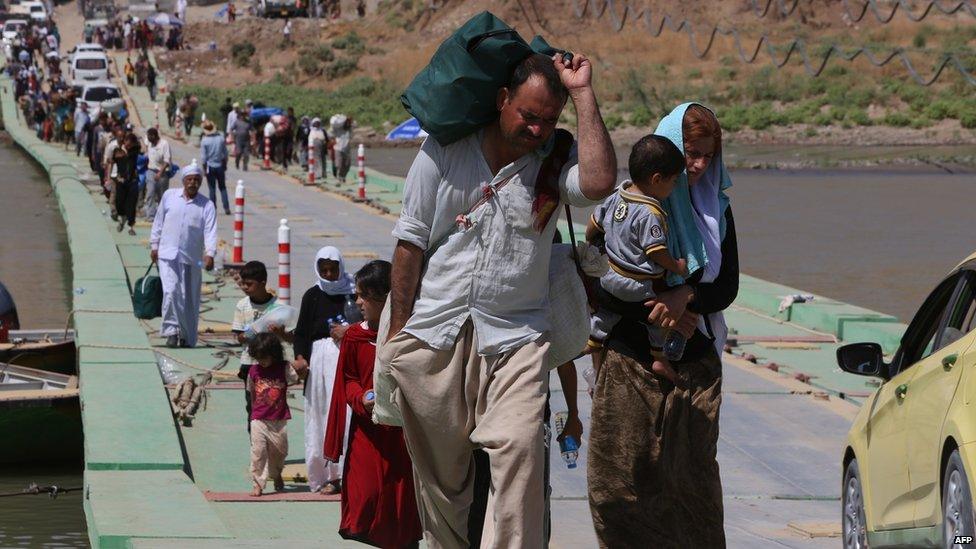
(910, 460)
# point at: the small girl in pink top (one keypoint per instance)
(268, 385)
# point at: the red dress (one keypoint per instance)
(378, 502)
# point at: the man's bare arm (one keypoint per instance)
(408, 260)
(597, 160)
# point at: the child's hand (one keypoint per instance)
(301, 367)
(277, 330)
(338, 332)
(241, 339)
(682, 266)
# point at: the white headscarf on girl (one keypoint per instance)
(345, 284)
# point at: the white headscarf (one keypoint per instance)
(345, 284)
(192, 169)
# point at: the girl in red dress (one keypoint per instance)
(378, 503)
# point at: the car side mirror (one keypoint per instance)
(863, 359)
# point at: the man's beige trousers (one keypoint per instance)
(454, 401)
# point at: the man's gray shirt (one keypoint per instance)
(497, 271)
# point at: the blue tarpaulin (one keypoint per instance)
(260, 115)
(409, 129)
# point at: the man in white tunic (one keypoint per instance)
(183, 240)
(468, 325)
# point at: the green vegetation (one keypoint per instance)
(320, 59)
(242, 53)
(351, 42)
(765, 97)
(370, 102)
(403, 14)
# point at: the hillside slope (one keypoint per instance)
(362, 64)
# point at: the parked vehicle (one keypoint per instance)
(910, 460)
(81, 48)
(11, 27)
(97, 94)
(38, 13)
(88, 67)
(282, 8)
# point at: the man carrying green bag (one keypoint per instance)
(468, 331)
(454, 95)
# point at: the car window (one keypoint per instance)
(101, 94)
(963, 317)
(90, 64)
(920, 338)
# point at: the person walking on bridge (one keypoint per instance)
(183, 240)
(468, 333)
(157, 171)
(213, 156)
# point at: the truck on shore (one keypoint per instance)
(281, 8)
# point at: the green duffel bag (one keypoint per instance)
(147, 296)
(454, 95)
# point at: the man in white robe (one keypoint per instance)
(183, 241)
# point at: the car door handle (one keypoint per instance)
(901, 391)
(949, 361)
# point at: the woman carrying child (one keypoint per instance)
(658, 485)
(317, 335)
(268, 384)
(379, 506)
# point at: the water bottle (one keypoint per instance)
(220, 259)
(589, 374)
(351, 311)
(674, 345)
(568, 446)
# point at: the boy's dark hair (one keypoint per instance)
(254, 270)
(654, 154)
(374, 280)
(266, 345)
(538, 64)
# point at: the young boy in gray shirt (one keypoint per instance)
(634, 229)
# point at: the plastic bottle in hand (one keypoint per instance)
(568, 446)
(351, 311)
(220, 258)
(589, 374)
(674, 345)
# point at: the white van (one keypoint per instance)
(38, 13)
(84, 48)
(88, 67)
(95, 94)
(11, 27)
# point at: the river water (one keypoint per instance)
(35, 267)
